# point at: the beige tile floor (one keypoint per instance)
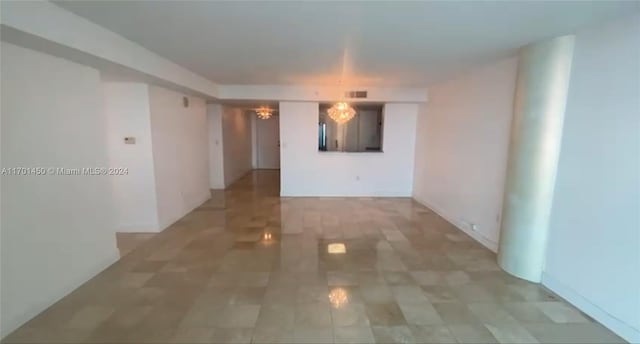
(407, 276)
(127, 242)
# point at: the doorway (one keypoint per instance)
(268, 143)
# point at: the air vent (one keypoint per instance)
(355, 94)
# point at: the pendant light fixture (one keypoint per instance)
(341, 112)
(264, 112)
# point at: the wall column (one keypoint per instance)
(541, 92)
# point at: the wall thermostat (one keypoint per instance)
(130, 140)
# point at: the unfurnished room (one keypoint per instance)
(319, 171)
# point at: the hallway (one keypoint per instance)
(249, 266)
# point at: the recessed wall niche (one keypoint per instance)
(363, 133)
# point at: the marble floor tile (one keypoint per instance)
(455, 313)
(429, 278)
(526, 312)
(472, 333)
(201, 315)
(149, 266)
(436, 334)
(36, 336)
(370, 278)
(399, 278)
(127, 242)
(437, 294)
(393, 334)
(147, 334)
(90, 317)
(376, 293)
(511, 333)
(251, 266)
(134, 279)
(491, 313)
(247, 296)
(126, 317)
(408, 294)
(351, 315)
(341, 279)
(232, 335)
(312, 294)
(281, 295)
(312, 335)
(272, 334)
(560, 312)
(572, 333)
(473, 293)
(193, 335)
(253, 279)
(313, 315)
(280, 316)
(238, 316)
(456, 278)
(353, 335)
(420, 313)
(385, 314)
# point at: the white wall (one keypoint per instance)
(316, 93)
(593, 255)
(236, 133)
(216, 154)
(307, 172)
(180, 153)
(126, 107)
(254, 140)
(57, 231)
(86, 39)
(462, 147)
(267, 147)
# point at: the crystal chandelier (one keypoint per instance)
(341, 112)
(264, 112)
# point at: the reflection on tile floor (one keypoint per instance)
(248, 266)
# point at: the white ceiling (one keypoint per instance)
(408, 44)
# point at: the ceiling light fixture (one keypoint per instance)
(264, 112)
(341, 112)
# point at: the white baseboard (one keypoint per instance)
(486, 242)
(619, 327)
(382, 194)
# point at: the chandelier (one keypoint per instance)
(264, 112)
(341, 112)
